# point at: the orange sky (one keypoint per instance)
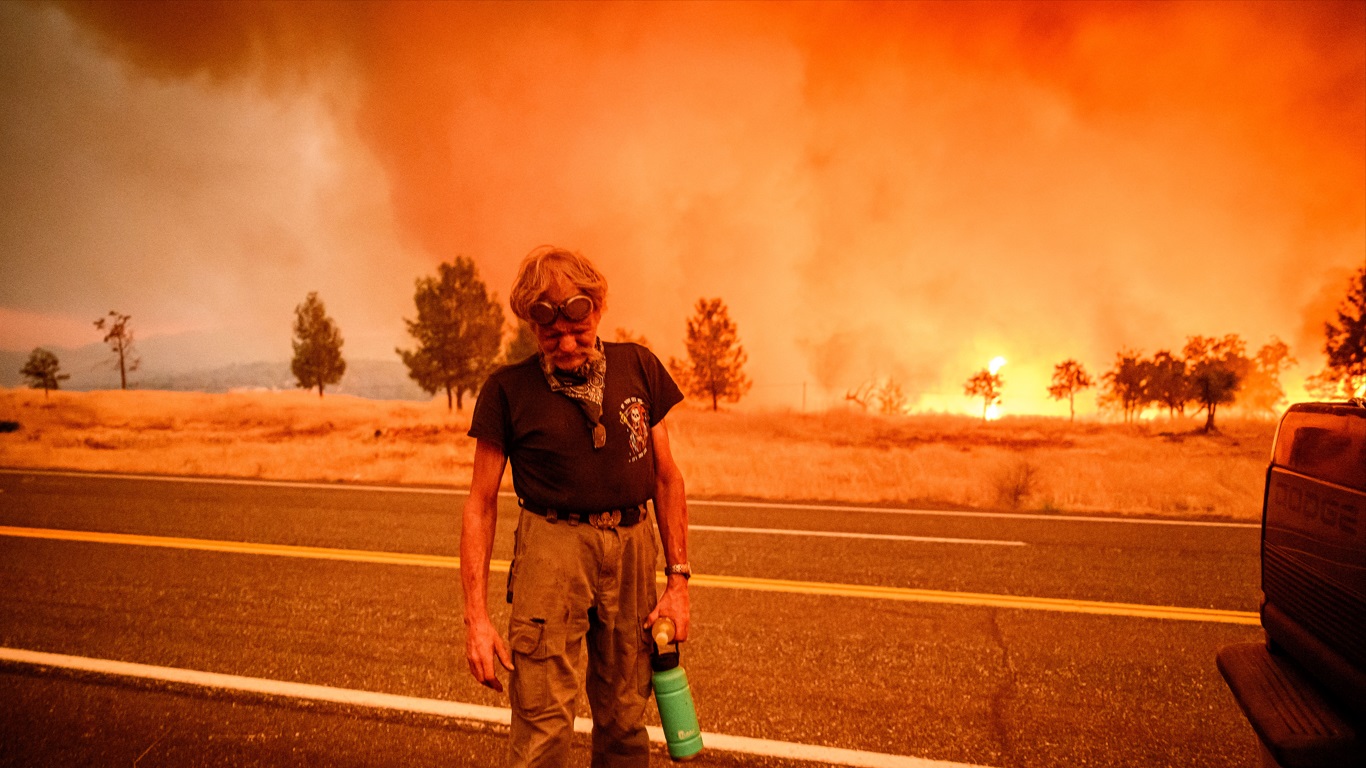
(902, 190)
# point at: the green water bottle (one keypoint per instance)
(676, 711)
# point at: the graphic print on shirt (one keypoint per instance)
(636, 417)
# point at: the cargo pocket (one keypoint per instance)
(538, 661)
(533, 639)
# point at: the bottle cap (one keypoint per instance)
(664, 655)
(663, 633)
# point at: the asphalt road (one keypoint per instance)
(974, 684)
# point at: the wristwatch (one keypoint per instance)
(682, 569)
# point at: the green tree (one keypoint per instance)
(1217, 370)
(1169, 383)
(459, 330)
(1345, 345)
(681, 371)
(1262, 392)
(1125, 385)
(317, 346)
(1069, 378)
(626, 336)
(522, 344)
(716, 358)
(43, 371)
(119, 337)
(986, 385)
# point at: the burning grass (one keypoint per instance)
(1164, 468)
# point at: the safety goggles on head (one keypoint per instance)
(574, 309)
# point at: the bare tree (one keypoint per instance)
(888, 395)
(861, 396)
(43, 371)
(119, 337)
(891, 397)
(1069, 378)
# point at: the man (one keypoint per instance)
(582, 422)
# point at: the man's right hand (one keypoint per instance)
(482, 645)
(482, 642)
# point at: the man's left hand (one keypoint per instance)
(674, 604)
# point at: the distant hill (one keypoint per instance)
(374, 379)
(91, 368)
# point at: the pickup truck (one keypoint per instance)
(1304, 689)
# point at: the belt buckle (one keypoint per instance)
(606, 520)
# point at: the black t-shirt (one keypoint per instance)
(549, 442)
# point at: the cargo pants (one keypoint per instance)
(580, 596)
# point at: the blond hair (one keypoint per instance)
(543, 266)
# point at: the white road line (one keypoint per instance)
(1058, 518)
(451, 709)
(843, 535)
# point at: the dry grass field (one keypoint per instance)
(1039, 464)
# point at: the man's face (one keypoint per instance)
(566, 344)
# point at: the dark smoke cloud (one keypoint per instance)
(877, 189)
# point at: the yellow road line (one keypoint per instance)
(980, 599)
(727, 582)
(243, 547)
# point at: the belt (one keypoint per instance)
(625, 517)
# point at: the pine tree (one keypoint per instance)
(43, 370)
(317, 346)
(459, 332)
(716, 360)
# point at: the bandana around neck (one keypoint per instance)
(584, 386)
